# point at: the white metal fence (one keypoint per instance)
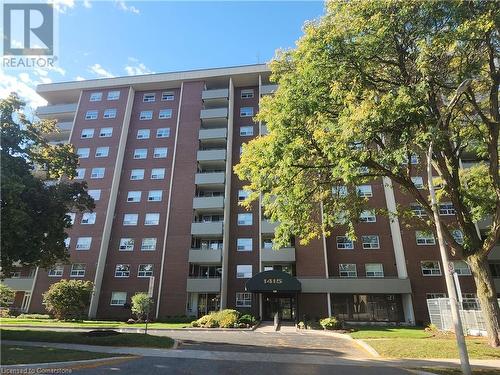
(471, 314)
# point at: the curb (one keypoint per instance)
(133, 330)
(67, 363)
(367, 347)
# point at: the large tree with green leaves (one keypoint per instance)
(369, 85)
(36, 190)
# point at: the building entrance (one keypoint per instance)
(283, 304)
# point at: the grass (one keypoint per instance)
(389, 332)
(16, 355)
(85, 323)
(122, 339)
(457, 371)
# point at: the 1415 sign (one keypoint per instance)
(273, 281)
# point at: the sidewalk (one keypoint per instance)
(263, 357)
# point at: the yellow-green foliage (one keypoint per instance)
(224, 319)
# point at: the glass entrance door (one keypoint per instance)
(284, 305)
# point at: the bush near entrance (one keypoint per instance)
(68, 299)
(331, 323)
(225, 319)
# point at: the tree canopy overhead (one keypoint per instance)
(365, 91)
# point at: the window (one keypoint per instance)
(155, 195)
(160, 152)
(95, 194)
(118, 298)
(246, 111)
(146, 115)
(370, 242)
(446, 209)
(368, 216)
(247, 94)
(148, 244)
(211, 244)
(374, 270)
(134, 196)
(417, 209)
(461, 268)
(56, 271)
(343, 242)
(97, 173)
(83, 152)
(244, 244)
(67, 242)
(145, 270)
(267, 243)
(246, 131)
(113, 95)
(425, 238)
(458, 236)
(413, 159)
(339, 191)
(363, 170)
(77, 270)
(357, 145)
(364, 191)
(430, 268)
(418, 182)
(101, 152)
(495, 270)
(347, 270)
(167, 96)
(91, 115)
(163, 133)
(87, 133)
(157, 173)
(165, 113)
(140, 153)
(122, 270)
(243, 194)
(83, 243)
(126, 244)
(130, 219)
(143, 134)
(244, 271)
(88, 218)
(72, 216)
(244, 219)
(96, 97)
(149, 98)
(243, 299)
(110, 113)
(106, 132)
(137, 174)
(435, 295)
(152, 219)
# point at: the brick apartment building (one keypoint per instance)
(157, 152)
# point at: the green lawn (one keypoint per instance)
(122, 339)
(457, 371)
(16, 355)
(389, 332)
(85, 323)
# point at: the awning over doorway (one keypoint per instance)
(273, 281)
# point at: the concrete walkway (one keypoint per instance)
(312, 359)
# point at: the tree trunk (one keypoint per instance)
(487, 297)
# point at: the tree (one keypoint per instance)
(68, 299)
(34, 201)
(7, 295)
(363, 94)
(141, 305)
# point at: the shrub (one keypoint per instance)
(68, 299)
(34, 316)
(4, 312)
(141, 305)
(7, 295)
(247, 319)
(195, 324)
(331, 323)
(226, 318)
(130, 321)
(301, 325)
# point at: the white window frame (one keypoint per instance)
(246, 131)
(374, 273)
(370, 245)
(140, 153)
(446, 209)
(434, 295)
(97, 173)
(242, 219)
(149, 97)
(364, 191)
(72, 216)
(83, 152)
(122, 270)
(344, 243)
(368, 216)
(145, 273)
(418, 182)
(167, 96)
(106, 132)
(148, 244)
(165, 113)
(130, 220)
(134, 196)
(146, 115)
(246, 112)
(243, 299)
(156, 172)
(113, 95)
(244, 244)
(160, 152)
(95, 194)
(417, 209)
(118, 301)
(83, 243)
(77, 272)
(87, 133)
(109, 113)
(426, 271)
(56, 271)
(348, 270)
(102, 152)
(91, 114)
(242, 195)
(163, 133)
(461, 268)
(95, 97)
(424, 238)
(155, 195)
(67, 242)
(340, 191)
(152, 218)
(137, 174)
(244, 271)
(247, 93)
(126, 244)
(143, 133)
(88, 218)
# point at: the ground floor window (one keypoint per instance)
(243, 299)
(368, 307)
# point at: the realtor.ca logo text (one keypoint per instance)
(29, 35)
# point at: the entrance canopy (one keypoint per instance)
(273, 281)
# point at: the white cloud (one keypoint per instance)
(23, 86)
(137, 68)
(25, 77)
(87, 4)
(62, 5)
(79, 78)
(127, 8)
(99, 71)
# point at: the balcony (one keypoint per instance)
(214, 158)
(214, 117)
(285, 254)
(63, 134)
(210, 179)
(62, 112)
(268, 89)
(268, 227)
(263, 130)
(217, 134)
(19, 283)
(208, 203)
(384, 285)
(212, 229)
(205, 256)
(215, 94)
(203, 285)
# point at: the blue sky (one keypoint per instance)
(117, 38)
